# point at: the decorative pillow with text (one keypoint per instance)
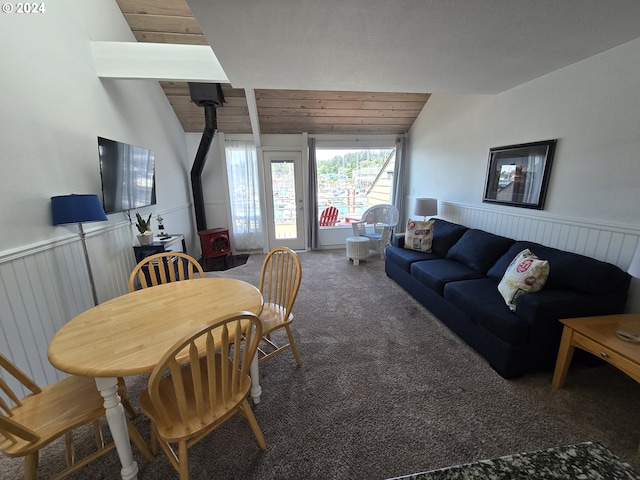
(525, 274)
(419, 236)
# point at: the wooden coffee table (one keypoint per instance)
(597, 335)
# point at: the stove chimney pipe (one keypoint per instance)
(210, 97)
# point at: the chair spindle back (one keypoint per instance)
(161, 268)
(280, 278)
(218, 375)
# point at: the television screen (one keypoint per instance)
(128, 176)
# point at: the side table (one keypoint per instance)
(597, 335)
(357, 249)
(159, 245)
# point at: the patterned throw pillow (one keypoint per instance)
(525, 274)
(419, 236)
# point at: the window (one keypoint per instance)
(353, 180)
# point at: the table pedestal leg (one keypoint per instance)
(118, 425)
(256, 390)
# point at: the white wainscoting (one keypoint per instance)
(43, 286)
(607, 242)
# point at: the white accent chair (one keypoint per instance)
(383, 219)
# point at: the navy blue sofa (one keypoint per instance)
(458, 283)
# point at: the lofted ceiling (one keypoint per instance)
(279, 111)
(436, 46)
(368, 66)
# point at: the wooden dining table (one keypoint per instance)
(129, 334)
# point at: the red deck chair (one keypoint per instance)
(329, 217)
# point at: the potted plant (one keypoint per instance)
(145, 237)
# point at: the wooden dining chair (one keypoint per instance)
(200, 383)
(29, 423)
(176, 266)
(164, 267)
(279, 283)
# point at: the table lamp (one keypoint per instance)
(426, 207)
(79, 209)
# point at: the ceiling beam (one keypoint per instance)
(158, 61)
(253, 115)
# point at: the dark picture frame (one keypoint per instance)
(518, 175)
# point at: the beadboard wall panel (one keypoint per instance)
(111, 251)
(607, 242)
(45, 285)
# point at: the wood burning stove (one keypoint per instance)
(214, 243)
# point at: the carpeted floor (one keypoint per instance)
(385, 390)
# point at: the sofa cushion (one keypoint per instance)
(403, 257)
(496, 272)
(569, 270)
(435, 274)
(525, 274)
(480, 300)
(583, 274)
(479, 249)
(419, 235)
(445, 235)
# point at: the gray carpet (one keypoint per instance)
(385, 390)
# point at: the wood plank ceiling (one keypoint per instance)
(279, 111)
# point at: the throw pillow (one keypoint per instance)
(419, 236)
(525, 274)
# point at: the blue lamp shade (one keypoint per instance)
(77, 209)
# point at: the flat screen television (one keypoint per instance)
(128, 176)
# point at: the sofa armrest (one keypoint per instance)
(544, 309)
(557, 304)
(397, 240)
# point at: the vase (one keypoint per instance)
(145, 238)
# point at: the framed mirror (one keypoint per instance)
(518, 175)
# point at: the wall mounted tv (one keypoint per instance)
(128, 176)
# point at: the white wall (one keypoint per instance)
(53, 108)
(592, 108)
